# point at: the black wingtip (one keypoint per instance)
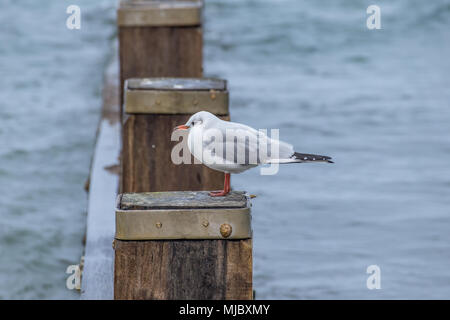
(306, 157)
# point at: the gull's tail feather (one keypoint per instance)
(305, 157)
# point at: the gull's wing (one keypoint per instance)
(236, 143)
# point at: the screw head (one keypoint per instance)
(158, 225)
(205, 223)
(225, 230)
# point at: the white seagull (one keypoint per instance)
(232, 147)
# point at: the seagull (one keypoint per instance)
(232, 147)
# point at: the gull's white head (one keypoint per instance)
(202, 118)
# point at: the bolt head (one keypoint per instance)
(205, 223)
(225, 230)
(158, 225)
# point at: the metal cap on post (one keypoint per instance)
(182, 215)
(176, 96)
(134, 13)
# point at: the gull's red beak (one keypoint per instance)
(182, 127)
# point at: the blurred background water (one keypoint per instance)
(377, 101)
(50, 101)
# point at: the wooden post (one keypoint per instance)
(153, 107)
(159, 39)
(183, 245)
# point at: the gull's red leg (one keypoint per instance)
(226, 188)
(227, 183)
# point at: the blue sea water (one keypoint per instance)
(50, 100)
(377, 101)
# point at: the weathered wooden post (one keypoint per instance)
(160, 39)
(153, 107)
(183, 245)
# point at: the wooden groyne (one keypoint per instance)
(98, 270)
(163, 238)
